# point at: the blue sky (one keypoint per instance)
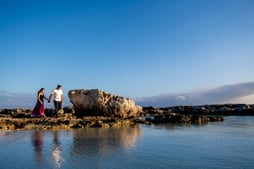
(134, 48)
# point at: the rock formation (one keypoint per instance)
(216, 109)
(96, 102)
(103, 110)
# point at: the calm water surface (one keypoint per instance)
(218, 145)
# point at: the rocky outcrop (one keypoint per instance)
(216, 109)
(96, 102)
(60, 123)
(95, 116)
(20, 119)
(26, 113)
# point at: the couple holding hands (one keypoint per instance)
(57, 93)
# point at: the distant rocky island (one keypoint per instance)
(97, 108)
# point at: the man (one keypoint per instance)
(58, 98)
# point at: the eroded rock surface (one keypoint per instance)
(96, 102)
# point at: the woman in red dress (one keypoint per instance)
(38, 110)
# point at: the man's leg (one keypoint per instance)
(60, 106)
(56, 108)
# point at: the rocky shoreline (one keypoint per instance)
(215, 109)
(20, 119)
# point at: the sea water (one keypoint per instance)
(216, 145)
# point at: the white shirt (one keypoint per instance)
(57, 94)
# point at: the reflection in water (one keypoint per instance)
(217, 145)
(172, 126)
(37, 142)
(56, 153)
(104, 141)
(92, 146)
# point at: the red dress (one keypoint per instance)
(38, 110)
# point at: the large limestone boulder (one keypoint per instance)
(96, 102)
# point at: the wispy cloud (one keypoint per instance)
(236, 93)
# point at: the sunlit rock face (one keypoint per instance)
(96, 102)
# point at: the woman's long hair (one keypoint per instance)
(40, 91)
